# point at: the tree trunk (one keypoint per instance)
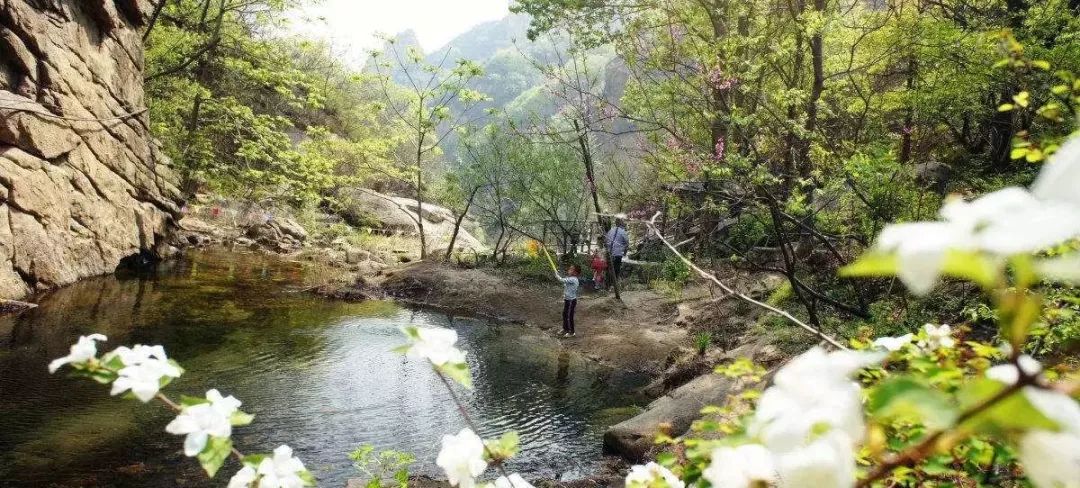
(909, 115)
(458, 220)
(586, 158)
(817, 60)
(420, 181)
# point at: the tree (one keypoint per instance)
(431, 90)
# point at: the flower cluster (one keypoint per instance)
(206, 423)
(719, 80)
(652, 475)
(1007, 222)
(200, 421)
(84, 350)
(436, 345)
(145, 370)
(804, 431)
(718, 150)
(930, 338)
(281, 470)
(1051, 457)
(462, 458)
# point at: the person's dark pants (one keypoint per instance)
(568, 315)
(616, 264)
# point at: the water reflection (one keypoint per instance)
(317, 374)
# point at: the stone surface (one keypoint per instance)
(82, 184)
(674, 412)
(362, 207)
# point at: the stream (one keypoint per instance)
(319, 375)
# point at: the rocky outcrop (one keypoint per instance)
(82, 185)
(361, 207)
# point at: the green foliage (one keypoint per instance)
(382, 468)
(503, 448)
(248, 114)
(675, 270)
(214, 455)
(702, 341)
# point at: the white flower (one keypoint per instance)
(812, 391)
(201, 421)
(1006, 373)
(1051, 459)
(436, 345)
(893, 344)
(281, 470)
(1002, 223)
(462, 458)
(828, 462)
(144, 368)
(937, 337)
(243, 478)
(652, 475)
(83, 350)
(1058, 177)
(136, 355)
(513, 481)
(744, 466)
(921, 248)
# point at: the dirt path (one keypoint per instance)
(638, 335)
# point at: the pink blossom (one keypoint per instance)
(718, 153)
(719, 80)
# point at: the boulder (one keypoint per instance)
(366, 208)
(83, 185)
(354, 255)
(290, 228)
(674, 412)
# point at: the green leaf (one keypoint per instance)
(215, 453)
(907, 398)
(307, 478)
(1005, 107)
(190, 401)
(666, 459)
(1018, 152)
(254, 460)
(239, 419)
(872, 264)
(1041, 64)
(505, 447)
(1014, 413)
(1019, 314)
(458, 372)
(971, 266)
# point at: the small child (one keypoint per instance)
(570, 295)
(599, 269)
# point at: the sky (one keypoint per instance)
(351, 24)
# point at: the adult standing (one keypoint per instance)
(618, 242)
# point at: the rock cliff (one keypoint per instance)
(82, 184)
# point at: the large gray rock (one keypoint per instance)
(673, 413)
(362, 207)
(77, 195)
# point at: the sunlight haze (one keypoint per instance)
(351, 25)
